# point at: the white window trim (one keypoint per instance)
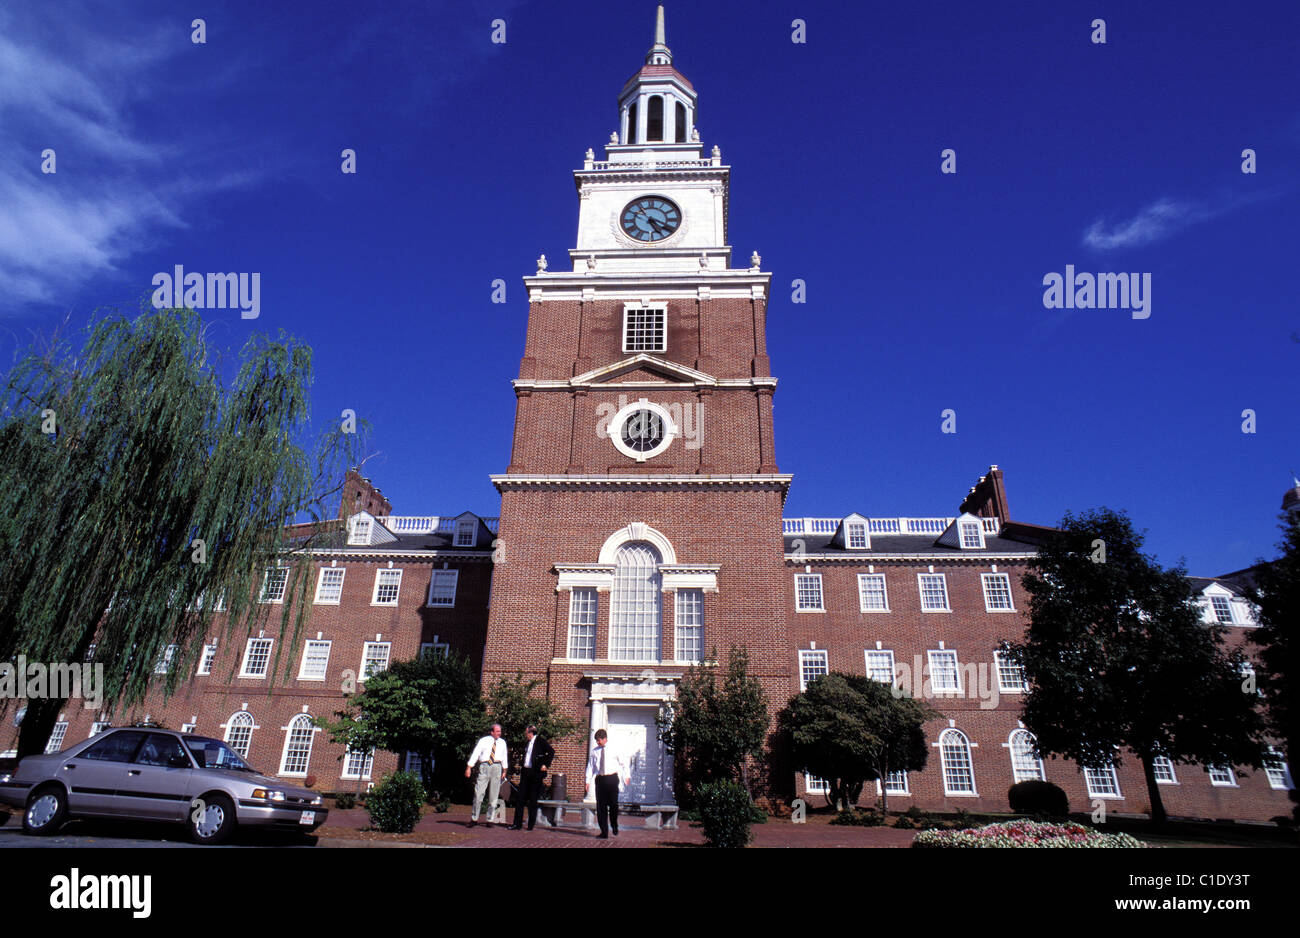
(1173, 780)
(266, 581)
(970, 757)
(1232, 783)
(944, 691)
(320, 582)
(379, 574)
(311, 745)
(302, 667)
(961, 534)
(627, 319)
(819, 653)
(473, 533)
(893, 665)
(164, 664)
(920, 592)
(984, 584)
(906, 791)
(229, 727)
(1287, 782)
(98, 727)
(848, 536)
(593, 625)
(455, 585)
(821, 593)
(678, 626)
(248, 648)
(821, 788)
(1011, 752)
(189, 727)
(862, 577)
(1087, 780)
(436, 647)
(357, 537)
(362, 676)
(367, 765)
(205, 663)
(61, 731)
(997, 667)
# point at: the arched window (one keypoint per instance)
(239, 732)
(681, 122)
(631, 123)
(635, 612)
(1025, 766)
(954, 753)
(297, 745)
(654, 127)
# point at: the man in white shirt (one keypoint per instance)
(605, 768)
(491, 756)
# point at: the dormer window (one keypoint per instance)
(466, 532)
(360, 533)
(972, 537)
(645, 329)
(1222, 609)
(856, 535)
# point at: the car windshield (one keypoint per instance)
(214, 754)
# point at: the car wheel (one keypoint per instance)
(47, 809)
(212, 819)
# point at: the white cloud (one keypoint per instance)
(1156, 221)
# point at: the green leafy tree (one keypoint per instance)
(714, 728)
(512, 703)
(135, 480)
(430, 706)
(1276, 594)
(1118, 658)
(850, 730)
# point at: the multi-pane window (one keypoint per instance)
(813, 785)
(1025, 766)
(98, 727)
(970, 535)
(954, 754)
(1163, 769)
(357, 764)
(442, 588)
(582, 624)
(997, 591)
(466, 530)
(315, 660)
(896, 783)
(1276, 769)
(257, 657)
(812, 665)
(412, 763)
(1011, 676)
(435, 647)
(273, 585)
(644, 330)
(945, 674)
(189, 727)
(871, 592)
(239, 732)
(56, 737)
(209, 655)
(387, 585)
(1102, 782)
(360, 531)
(880, 665)
(374, 658)
(808, 592)
(634, 618)
(857, 535)
(329, 588)
(690, 625)
(1222, 776)
(934, 592)
(164, 663)
(1222, 609)
(297, 746)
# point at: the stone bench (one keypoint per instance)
(583, 814)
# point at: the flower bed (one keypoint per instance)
(1026, 834)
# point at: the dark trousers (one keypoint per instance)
(530, 788)
(607, 802)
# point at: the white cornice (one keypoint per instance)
(777, 480)
(559, 384)
(601, 375)
(866, 556)
(422, 556)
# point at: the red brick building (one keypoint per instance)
(641, 528)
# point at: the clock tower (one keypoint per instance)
(640, 528)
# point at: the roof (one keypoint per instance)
(921, 544)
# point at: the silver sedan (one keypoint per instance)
(157, 775)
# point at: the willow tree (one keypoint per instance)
(144, 495)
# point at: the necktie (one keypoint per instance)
(602, 760)
(493, 758)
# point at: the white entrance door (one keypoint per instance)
(633, 732)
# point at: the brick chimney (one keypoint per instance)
(988, 497)
(360, 494)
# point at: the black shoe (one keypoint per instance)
(515, 827)
(473, 823)
(615, 832)
(602, 837)
(530, 827)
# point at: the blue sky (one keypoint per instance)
(924, 290)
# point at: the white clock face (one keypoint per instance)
(650, 218)
(642, 430)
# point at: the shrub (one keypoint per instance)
(726, 812)
(858, 817)
(394, 804)
(344, 800)
(903, 822)
(1026, 834)
(914, 813)
(1035, 797)
(442, 805)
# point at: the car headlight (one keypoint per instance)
(5, 776)
(268, 795)
(318, 800)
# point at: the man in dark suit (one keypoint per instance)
(538, 755)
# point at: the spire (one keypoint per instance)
(659, 53)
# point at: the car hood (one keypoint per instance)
(258, 780)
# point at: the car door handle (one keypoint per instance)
(132, 771)
(68, 767)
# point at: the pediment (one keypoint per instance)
(644, 369)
